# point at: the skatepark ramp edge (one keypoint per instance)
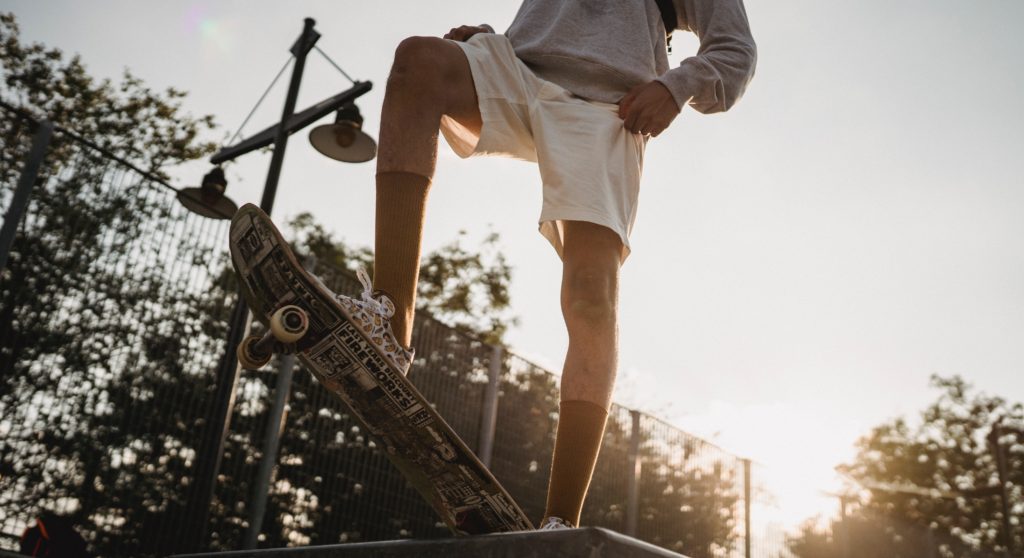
(588, 542)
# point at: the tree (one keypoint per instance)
(92, 325)
(128, 118)
(463, 288)
(937, 480)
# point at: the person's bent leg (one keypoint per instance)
(430, 77)
(590, 281)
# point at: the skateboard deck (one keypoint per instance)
(417, 440)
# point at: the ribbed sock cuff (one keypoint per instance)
(401, 209)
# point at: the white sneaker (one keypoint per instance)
(372, 314)
(555, 523)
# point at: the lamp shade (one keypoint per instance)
(209, 200)
(344, 140)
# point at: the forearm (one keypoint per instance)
(716, 77)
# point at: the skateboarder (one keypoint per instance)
(579, 87)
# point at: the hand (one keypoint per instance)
(648, 109)
(464, 32)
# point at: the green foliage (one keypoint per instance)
(126, 118)
(468, 289)
(689, 494)
(93, 328)
(465, 289)
(312, 238)
(938, 476)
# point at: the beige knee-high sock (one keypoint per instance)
(401, 205)
(577, 443)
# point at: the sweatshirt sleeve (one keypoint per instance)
(716, 77)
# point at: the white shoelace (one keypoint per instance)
(383, 305)
(380, 305)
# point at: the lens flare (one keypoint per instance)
(213, 33)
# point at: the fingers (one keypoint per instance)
(648, 109)
(632, 110)
(637, 119)
(626, 101)
(644, 122)
(464, 32)
(631, 122)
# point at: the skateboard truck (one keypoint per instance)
(287, 325)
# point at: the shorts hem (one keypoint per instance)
(549, 227)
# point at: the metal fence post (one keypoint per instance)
(1004, 500)
(271, 442)
(22, 193)
(489, 411)
(845, 530)
(746, 508)
(633, 482)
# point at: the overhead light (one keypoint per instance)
(344, 140)
(209, 200)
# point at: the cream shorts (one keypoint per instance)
(590, 165)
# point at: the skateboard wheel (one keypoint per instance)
(289, 324)
(246, 358)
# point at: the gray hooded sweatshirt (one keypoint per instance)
(600, 49)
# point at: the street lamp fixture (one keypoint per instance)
(344, 140)
(208, 199)
(354, 147)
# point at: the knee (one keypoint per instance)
(419, 63)
(590, 296)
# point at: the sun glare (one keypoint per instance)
(794, 453)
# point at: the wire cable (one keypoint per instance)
(333, 63)
(264, 96)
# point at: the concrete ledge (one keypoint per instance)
(589, 542)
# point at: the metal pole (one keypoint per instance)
(846, 529)
(489, 412)
(933, 551)
(746, 508)
(212, 448)
(633, 482)
(271, 442)
(300, 49)
(22, 193)
(997, 447)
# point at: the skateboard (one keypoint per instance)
(304, 318)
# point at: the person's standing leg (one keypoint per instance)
(591, 260)
(430, 77)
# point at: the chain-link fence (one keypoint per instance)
(114, 309)
(112, 312)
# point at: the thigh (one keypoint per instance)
(461, 103)
(504, 87)
(434, 74)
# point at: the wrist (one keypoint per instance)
(486, 27)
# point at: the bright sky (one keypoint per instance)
(801, 264)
